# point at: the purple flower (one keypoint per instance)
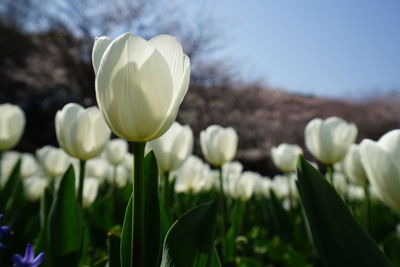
(4, 231)
(29, 259)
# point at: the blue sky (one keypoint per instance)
(331, 48)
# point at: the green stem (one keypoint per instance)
(138, 253)
(368, 213)
(165, 193)
(1, 169)
(222, 203)
(82, 164)
(290, 192)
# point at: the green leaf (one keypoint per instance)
(190, 241)
(338, 238)
(66, 224)
(12, 185)
(126, 237)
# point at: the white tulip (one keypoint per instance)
(328, 140)
(263, 186)
(381, 163)
(34, 187)
(82, 133)
(117, 175)
(231, 171)
(12, 124)
(244, 185)
(193, 176)
(218, 144)
(285, 157)
(8, 161)
(353, 167)
(355, 192)
(54, 161)
(90, 189)
(97, 168)
(116, 150)
(128, 163)
(29, 165)
(172, 148)
(140, 84)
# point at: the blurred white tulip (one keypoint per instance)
(381, 163)
(29, 165)
(97, 168)
(90, 189)
(328, 140)
(218, 144)
(34, 187)
(193, 176)
(353, 168)
(116, 150)
(262, 187)
(231, 171)
(8, 161)
(355, 192)
(285, 157)
(172, 148)
(140, 84)
(82, 133)
(244, 185)
(12, 124)
(54, 161)
(117, 175)
(128, 163)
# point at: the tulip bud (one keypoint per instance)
(218, 144)
(116, 150)
(172, 148)
(117, 175)
(328, 140)
(12, 121)
(285, 157)
(140, 84)
(192, 176)
(8, 161)
(97, 168)
(380, 160)
(353, 168)
(81, 132)
(244, 186)
(29, 165)
(90, 189)
(53, 160)
(34, 187)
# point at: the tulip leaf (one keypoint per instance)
(338, 238)
(66, 227)
(190, 241)
(126, 237)
(12, 184)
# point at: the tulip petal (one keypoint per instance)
(99, 47)
(382, 171)
(390, 142)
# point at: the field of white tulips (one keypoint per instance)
(143, 200)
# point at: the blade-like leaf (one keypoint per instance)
(11, 186)
(66, 224)
(338, 238)
(190, 240)
(126, 237)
